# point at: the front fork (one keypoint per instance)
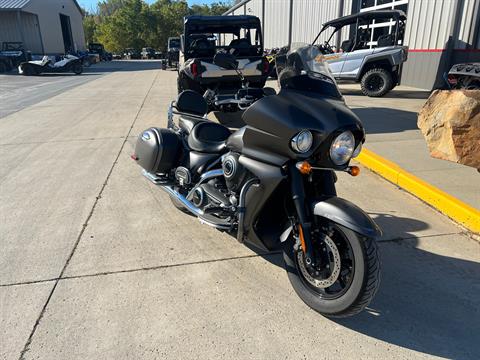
(303, 213)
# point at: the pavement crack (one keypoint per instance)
(144, 268)
(64, 141)
(85, 224)
(413, 237)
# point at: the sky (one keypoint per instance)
(90, 4)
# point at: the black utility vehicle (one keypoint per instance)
(131, 53)
(206, 36)
(97, 48)
(148, 53)
(173, 49)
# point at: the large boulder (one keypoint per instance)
(450, 123)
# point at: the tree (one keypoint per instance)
(89, 27)
(120, 24)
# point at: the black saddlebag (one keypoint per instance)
(157, 150)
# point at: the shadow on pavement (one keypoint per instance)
(378, 120)
(106, 67)
(426, 302)
(394, 94)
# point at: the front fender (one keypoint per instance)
(345, 213)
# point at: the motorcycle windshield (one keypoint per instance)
(303, 68)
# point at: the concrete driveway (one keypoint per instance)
(95, 262)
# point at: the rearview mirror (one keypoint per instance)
(226, 61)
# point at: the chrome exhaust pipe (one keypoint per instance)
(204, 218)
(187, 204)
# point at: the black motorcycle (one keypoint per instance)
(272, 182)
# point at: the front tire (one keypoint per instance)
(29, 70)
(77, 69)
(376, 82)
(362, 284)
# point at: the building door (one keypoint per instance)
(66, 33)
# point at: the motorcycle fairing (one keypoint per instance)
(273, 120)
(345, 213)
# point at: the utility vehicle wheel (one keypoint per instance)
(376, 82)
(77, 69)
(347, 275)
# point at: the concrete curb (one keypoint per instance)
(455, 209)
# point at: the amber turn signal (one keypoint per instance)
(304, 167)
(354, 170)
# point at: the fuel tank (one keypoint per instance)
(274, 120)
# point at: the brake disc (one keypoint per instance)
(334, 266)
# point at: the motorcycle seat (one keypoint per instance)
(187, 123)
(208, 137)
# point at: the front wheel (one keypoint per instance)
(77, 69)
(346, 274)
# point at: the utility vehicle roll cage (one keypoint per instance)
(209, 26)
(364, 18)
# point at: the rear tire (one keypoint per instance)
(376, 82)
(361, 289)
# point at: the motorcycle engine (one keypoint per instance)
(233, 171)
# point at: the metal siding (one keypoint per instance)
(31, 33)
(421, 70)
(277, 14)
(469, 25)
(428, 23)
(9, 30)
(308, 17)
(254, 7)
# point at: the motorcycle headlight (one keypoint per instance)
(342, 148)
(302, 142)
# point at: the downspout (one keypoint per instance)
(454, 32)
(341, 5)
(290, 24)
(263, 22)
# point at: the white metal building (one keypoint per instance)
(439, 33)
(43, 26)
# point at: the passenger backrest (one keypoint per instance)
(191, 102)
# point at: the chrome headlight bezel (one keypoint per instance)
(357, 151)
(342, 148)
(302, 142)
